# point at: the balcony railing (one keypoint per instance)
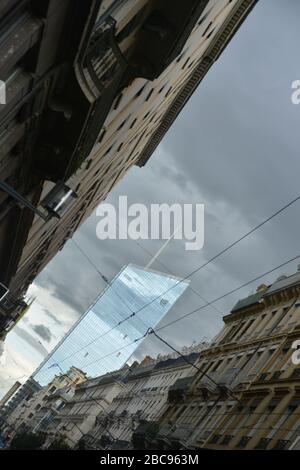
(244, 441)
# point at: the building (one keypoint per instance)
(24, 392)
(107, 335)
(246, 392)
(141, 403)
(10, 393)
(90, 90)
(242, 391)
(106, 410)
(91, 399)
(37, 411)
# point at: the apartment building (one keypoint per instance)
(107, 410)
(242, 391)
(24, 392)
(246, 392)
(141, 403)
(91, 399)
(91, 88)
(37, 411)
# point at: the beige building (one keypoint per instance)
(242, 391)
(246, 392)
(91, 399)
(10, 393)
(143, 400)
(38, 410)
(106, 410)
(91, 91)
(103, 411)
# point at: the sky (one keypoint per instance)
(235, 149)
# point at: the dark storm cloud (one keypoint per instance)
(43, 332)
(235, 147)
(31, 340)
(53, 317)
(72, 280)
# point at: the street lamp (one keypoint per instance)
(3, 291)
(59, 199)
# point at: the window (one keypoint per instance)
(118, 100)
(149, 94)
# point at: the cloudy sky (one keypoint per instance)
(235, 148)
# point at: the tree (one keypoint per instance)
(27, 441)
(59, 444)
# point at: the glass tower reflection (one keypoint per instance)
(102, 340)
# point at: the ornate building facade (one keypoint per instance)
(91, 88)
(246, 392)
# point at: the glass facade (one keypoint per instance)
(102, 340)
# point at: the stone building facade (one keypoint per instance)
(246, 392)
(91, 88)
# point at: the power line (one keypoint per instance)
(111, 329)
(236, 289)
(164, 266)
(229, 293)
(203, 373)
(226, 249)
(152, 331)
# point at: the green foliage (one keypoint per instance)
(27, 441)
(59, 444)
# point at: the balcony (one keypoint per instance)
(226, 440)
(243, 442)
(263, 444)
(163, 34)
(178, 391)
(263, 378)
(173, 436)
(71, 418)
(296, 373)
(281, 444)
(107, 62)
(228, 377)
(276, 375)
(215, 439)
(74, 118)
(145, 432)
(182, 432)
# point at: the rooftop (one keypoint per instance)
(282, 282)
(248, 301)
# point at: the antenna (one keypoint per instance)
(154, 258)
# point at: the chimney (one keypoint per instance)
(261, 287)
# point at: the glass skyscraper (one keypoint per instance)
(102, 340)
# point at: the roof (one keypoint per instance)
(141, 370)
(178, 361)
(284, 283)
(248, 301)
